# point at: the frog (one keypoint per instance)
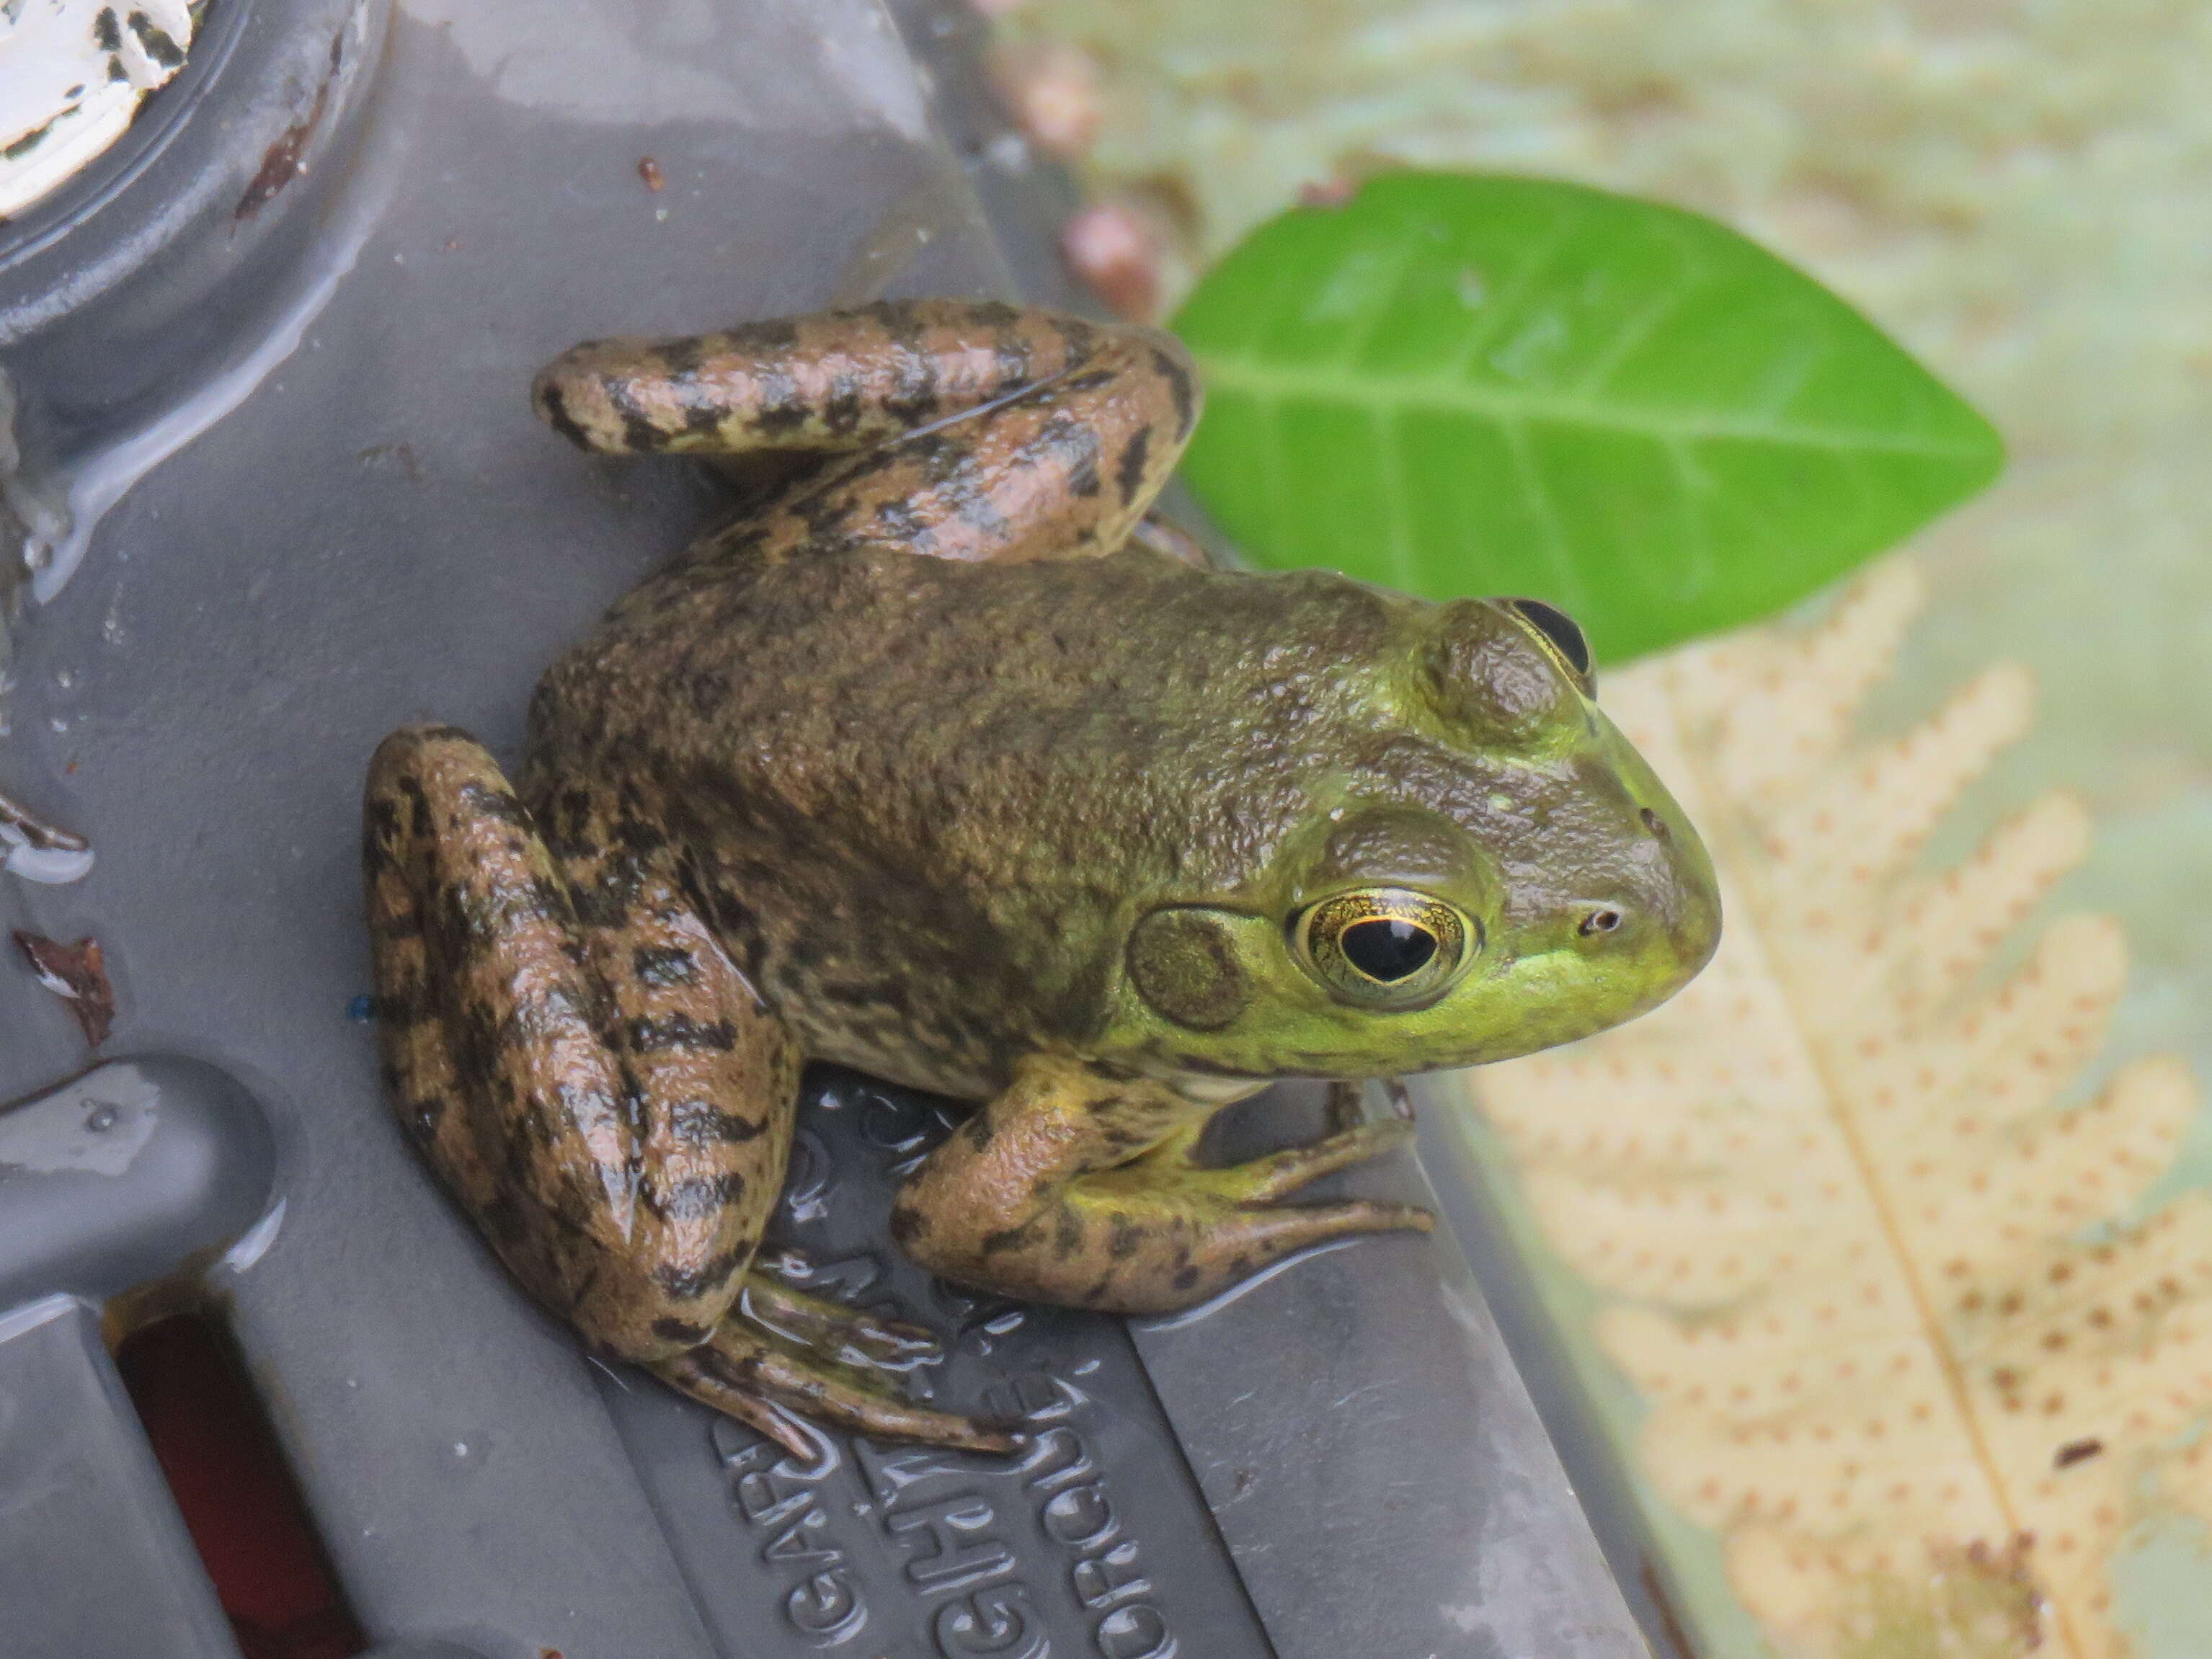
(946, 760)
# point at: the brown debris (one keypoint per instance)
(649, 170)
(2076, 1451)
(76, 974)
(286, 159)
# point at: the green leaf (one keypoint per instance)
(1460, 384)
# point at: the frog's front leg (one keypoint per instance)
(588, 1073)
(1076, 1186)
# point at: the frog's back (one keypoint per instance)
(910, 780)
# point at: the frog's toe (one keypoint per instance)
(774, 1385)
(856, 1336)
(1264, 1180)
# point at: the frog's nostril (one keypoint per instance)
(1603, 920)
(1654, 823)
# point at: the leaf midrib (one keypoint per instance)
(1277, 383)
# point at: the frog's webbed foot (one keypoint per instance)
(784, 1357)
(854, 1335)
(1081, 1188)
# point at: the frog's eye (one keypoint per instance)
(1386, 947)
(1565, 639)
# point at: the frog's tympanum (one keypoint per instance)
(943, 764)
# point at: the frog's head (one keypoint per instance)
(1494, 870)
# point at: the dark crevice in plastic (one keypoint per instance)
(238, 1499)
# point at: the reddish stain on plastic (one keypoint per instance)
(235, 1493)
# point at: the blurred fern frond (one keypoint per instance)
(1906, 1344)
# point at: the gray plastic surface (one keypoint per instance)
(381, 532)
(1370, 1455)
(127, 1175)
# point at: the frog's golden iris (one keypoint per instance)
(1385, 947)
(1048, 820)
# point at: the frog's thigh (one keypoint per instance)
(579, 1065)
(1046, 1193)
(833, 380)
(1064, 470)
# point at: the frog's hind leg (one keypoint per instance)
(992, 432)
(587, 1072)
(1076, 1186)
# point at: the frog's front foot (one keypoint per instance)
(1078, 1188)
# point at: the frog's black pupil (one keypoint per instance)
(1559, 628)
(1387, 949)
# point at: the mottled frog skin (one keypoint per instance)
(945, 763)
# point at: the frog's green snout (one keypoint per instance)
(1666, 914)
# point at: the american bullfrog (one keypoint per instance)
(943, 763)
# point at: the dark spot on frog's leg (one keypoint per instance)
(422, 1117)
(1128, 1238)
(842, 410)
(1077, 445)
(497, 805)
(695, 1199)
(977, 1129)
(555, 408)
(769, 334)
(1186, 1278)
(1096, 1293)
(682, 355)
(680, 1330)
(420, 821)
(1130, 474)
(907, 1224)
(701, 1122)
(782, 408)
(690, 1284)
(1067, 1233)
(679, 1031)
(637, 833)
(1179, 388)
(1090, 381)
(664, 965)
(641, 432)
(547, 898)
(915, 399)
(1008, 1238)
(993, 313)
(1010, 359)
